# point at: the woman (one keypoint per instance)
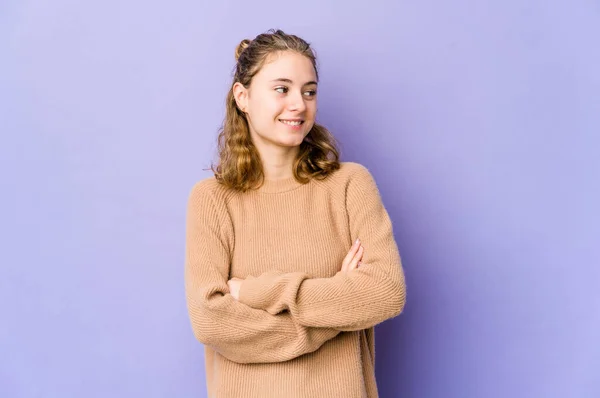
(274, 240)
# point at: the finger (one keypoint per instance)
(350, 255)
(360, 259)
(354, 263)
(357, 255)
(352, 251)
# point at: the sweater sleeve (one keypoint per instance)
(236, 331)
(355, 300)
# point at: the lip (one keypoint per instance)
(293, 119)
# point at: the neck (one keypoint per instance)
(277, 161)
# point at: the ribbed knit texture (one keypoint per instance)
(301, 328)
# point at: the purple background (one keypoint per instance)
(479, 121)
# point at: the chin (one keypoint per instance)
(289, 140)
(290, 143)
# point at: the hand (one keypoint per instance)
(352, 259)
(234, 287)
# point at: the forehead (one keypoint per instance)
(289, 65)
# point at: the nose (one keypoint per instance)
(296, 102)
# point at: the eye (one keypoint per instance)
(311, 93)
(282, 88)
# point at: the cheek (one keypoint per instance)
(270, 109)
(311, 110)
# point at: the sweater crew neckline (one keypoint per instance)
(279, 185)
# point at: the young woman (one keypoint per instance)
(290, 256)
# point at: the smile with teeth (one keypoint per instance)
(292, 122)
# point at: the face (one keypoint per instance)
(281, 102)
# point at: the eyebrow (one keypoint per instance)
(285, 80)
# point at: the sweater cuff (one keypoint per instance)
(256, 292)
(272, 291)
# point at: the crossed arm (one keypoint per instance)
(280, 316)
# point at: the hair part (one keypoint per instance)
(240, 166)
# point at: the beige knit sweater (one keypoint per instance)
(301, 328)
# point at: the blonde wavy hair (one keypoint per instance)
(239, 166)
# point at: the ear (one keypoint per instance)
(240, 93)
